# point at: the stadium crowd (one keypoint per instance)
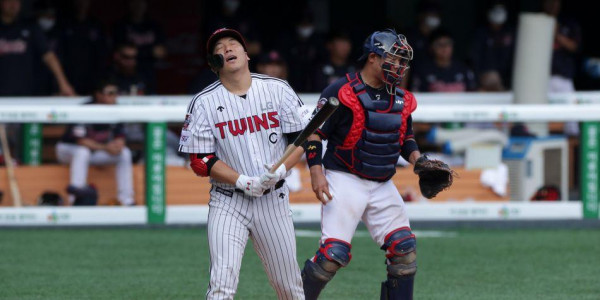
(77, 50)
(63, 48)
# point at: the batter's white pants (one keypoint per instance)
(267, 220)
(80, 157)
(378, 204)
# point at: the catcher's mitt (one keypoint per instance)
(434, 176)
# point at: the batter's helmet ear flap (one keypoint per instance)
(215, 61)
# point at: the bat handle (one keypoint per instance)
(288, 151)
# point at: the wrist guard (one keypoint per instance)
(314, 153)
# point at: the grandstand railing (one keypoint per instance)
(157, 111)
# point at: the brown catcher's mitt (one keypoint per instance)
(434, 176)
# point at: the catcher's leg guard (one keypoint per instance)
(318, 271)
(400, 250)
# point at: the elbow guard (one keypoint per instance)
(202, 163)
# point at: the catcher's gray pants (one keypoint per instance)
(80, 157)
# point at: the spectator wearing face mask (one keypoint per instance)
(45, 17)
(21, 46)
(303, 49)
(493, 46)
(428, 19)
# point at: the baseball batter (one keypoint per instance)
(232, 129)
(366, 135)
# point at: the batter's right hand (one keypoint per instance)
(250, 185)
(319, 184)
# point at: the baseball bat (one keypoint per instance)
(315, 122)
(10, 168)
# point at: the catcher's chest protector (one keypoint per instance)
(372, 146)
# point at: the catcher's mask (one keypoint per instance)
(396, 54)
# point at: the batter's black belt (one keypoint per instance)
(229, 193)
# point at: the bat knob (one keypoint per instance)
(334, 101)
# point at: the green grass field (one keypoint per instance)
(171, 263)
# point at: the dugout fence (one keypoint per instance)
(158, 111)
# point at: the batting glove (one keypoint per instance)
(250, 185)
(270, 179)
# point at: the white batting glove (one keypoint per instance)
(270, 179)
(250, 185)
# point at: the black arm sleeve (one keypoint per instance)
(409, 145)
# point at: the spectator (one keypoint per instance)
(567, 39)
(83, 48)
(490, 81)
(98, 144)
(493, 45)
(428, 19)
(130, 83)
(338, 64)
(45, 17)
(147, 35)
(441, 73)
(231, 16)
(125, 72)
(272, 64)
(20, 46)
(302, 49)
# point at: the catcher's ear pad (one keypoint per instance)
(215, 61)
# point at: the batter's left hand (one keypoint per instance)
(270, 179)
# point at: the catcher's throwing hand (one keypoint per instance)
(320, 185)
(250, 185)
(434, 176)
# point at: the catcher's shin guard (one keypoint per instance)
(314, 279)
(400, 246)
(317, 272)
(398, 288)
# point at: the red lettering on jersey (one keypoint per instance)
(238, 130)
(275, 122)
(312, 155)
(261, 122)
(220, 126)
(250, 124)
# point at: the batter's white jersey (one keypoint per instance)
(246, 133)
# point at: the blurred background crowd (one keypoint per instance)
(51, 47)
(109, 48)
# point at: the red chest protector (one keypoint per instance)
(372, 147)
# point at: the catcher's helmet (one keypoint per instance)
(395, 51)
